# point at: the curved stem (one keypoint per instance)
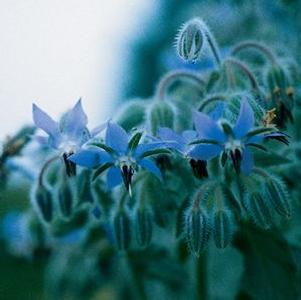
(257, 46)
(261, 172)
(171, 77)
(213, 46)
(211, 98)
(45, 167)
(245, 69)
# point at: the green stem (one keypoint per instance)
(245, 69)
(173, 76)
(136, 279)
(213, 46)
(256, 46)
(210, 99)
(201, 280)
(45, 167)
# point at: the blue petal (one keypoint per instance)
(166, 134)
(207, 128)
(247, 161)
(116, 138)
(74, 122)
(43, 121)
(114, 177)
(205, 151)
(189, 136)
(256, 139)
(217, 112)
(95, 131)
(245, 120)
(91, 158)
(151, 166)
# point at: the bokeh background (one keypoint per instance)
(107, 52)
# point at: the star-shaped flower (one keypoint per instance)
(120, 154)
(219, 137)
(68, 135)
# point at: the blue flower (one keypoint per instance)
(219, 137)
(68, 135)
(121, 155)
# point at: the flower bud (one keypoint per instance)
(258, 210)
(276, 192)
(143, 226)
(65, 197)
(85, 194)
(190, 40)
(122, 229)
(161, 115)
(131, 114)
(43, 201)
(223, 228)
(197, 229)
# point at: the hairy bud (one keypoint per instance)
(222, 228)
(161, 115)
(190, 40)
(43, 201)
(65, 197)
(197, 229)
(122, 229)
(143, 226)
(258, 210)
(131, 114)
(276, 192)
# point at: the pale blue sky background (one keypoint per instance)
(54, 51)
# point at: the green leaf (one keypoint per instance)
(133, 143)
(155, 152)
(270, 270)
(101, 169)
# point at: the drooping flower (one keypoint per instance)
(221, 138)
(68, 135)
(182, 143)
(121, 155)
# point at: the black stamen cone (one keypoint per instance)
(199, 168)
(127, 174)
(236, 159)
(69, 165)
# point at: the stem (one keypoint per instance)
(171, 77)
(201, 282)
(212, 98)
(245, 69)
(136, 279)
(45, 167)
(257, 46)
(213, 47)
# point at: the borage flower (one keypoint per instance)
(68, 135)
(121, 155)
(220, 138)
(182, 143)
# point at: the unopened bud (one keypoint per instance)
(143, 226)
(122, 229)
(43, 201)
(190, 40)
